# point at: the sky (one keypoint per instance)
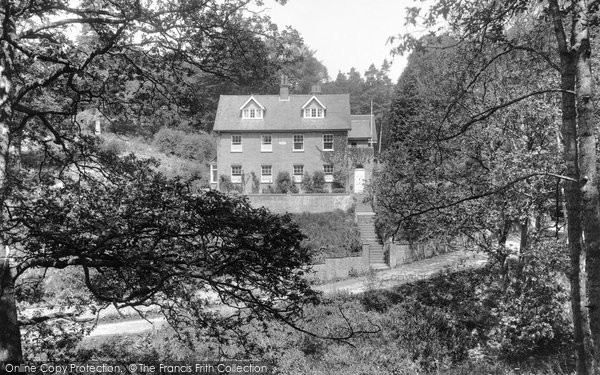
(347, 33)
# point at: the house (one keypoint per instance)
(259, 136)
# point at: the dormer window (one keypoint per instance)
(314, 113)
(252, 110)
(252, 113)
(313, 108)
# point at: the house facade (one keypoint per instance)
(259, 136)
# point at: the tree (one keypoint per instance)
(142, 239)
(133, 62)
(490, 23)
(371, 93)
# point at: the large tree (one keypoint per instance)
(499, 24)
(135, 62)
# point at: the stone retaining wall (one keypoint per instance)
(298, 203)
(341, 268)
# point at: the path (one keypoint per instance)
(406, 273)
(388, 278)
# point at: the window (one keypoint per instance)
(298, 172)
(236, 143)
(266, 174)
(298, 142)
(327, 142)
(252, 113)
(314, 113)
(266, 143)
(213, 174)
(236, 174)
(328, 170)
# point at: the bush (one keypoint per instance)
(268, 190)
(283, 183)
(226, 186)
(512, 324)
(318, 181)
(194, 146)
(338, 190)
(335, 234)
(306, 183)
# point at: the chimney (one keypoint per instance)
(315, 89)
(284, 89)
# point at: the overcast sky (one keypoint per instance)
(346, 33)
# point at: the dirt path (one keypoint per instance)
(406, 273)
(379, 280)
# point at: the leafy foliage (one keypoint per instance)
(437, 325)
(318, 182)
(139, 238)
(200, 147)
(284, 183)
(329, 234)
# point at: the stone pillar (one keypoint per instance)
(366, 256)
(393, 254)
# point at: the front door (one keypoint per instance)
(359, 180)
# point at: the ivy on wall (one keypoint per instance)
(345, 159)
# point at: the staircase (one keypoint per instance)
(365, 218)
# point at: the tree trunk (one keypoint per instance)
(588, 172)
(10, 335)
(568, 132)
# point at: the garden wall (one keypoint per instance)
(298, 203)
(342, 268)
(405, 252)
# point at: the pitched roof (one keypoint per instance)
(283, 115)
(361, 127)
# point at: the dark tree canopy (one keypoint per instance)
(141, 238)
(136, 236)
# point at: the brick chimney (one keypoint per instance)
(284, 89)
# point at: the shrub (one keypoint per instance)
(188, 145)
(529, 311)
(225, 184)
(268, 190)
(283, 183)
(318, 181)
(334, 233)
(338, 190)
(255, 187)
(306, 183)
(113, 144)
